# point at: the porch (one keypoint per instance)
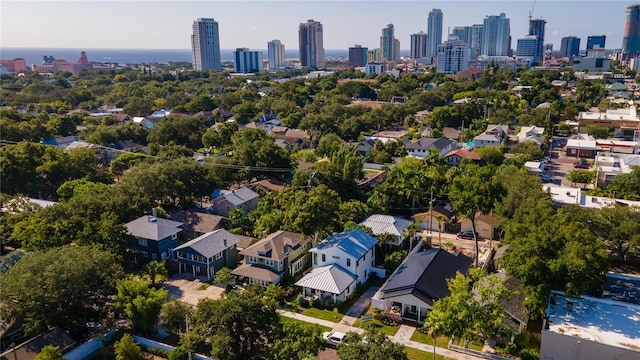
(404, 312)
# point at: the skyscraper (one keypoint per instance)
(311, 46)
(434, 31)
(275, 54)
(463, 33)
(396, 50)
(496, 38)
(596, 42)
(527, 47)
(418, 45)
(246, 61)
(536, 28)
(358, 56)
(387, 42)
(631, 34)
(205, 45)
(453, 56)
(569, 46)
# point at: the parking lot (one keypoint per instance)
(191, 290)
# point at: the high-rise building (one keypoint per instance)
(496, 38)
(631, 34)
(396, 50)
(374, 55)
(205, 45)
(310, 37)
(453, 56)
(569, 46)
(418, 45)
(358, 56)
(275, 54)
(536, 28)
(434, 31)
(246, 61)
(476, 39)
(463, 33)
(527, 47)
(386, 43)
(596, 42)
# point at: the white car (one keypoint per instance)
(334, 338)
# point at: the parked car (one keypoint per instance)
(467, 235)
(581, 165)
(334, 338)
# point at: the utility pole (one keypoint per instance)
(186, 320)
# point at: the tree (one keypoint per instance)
(185, 131)
(529, 148)
(59, 287)
(475, 191)
(140, 302)
(619, 227)
(223, 276)
(127, 349)
(174, 314)
(296, 341)
(219, 136)
(491, 155)
(372, 345)
(329, 144)
(239, 325)
(155, 268)
(254, 148)
(50, 352)
(581, 176)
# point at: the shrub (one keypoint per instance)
(511, 348)
(529, 354)
(300, 300)
(179, 353)
(317, 303)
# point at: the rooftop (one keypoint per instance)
(276, 246)
(331, 278)
(211, 243)
(381, 224)
(605, 321)
(153, 228)
(353, 242)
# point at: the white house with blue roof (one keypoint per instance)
(340, 263)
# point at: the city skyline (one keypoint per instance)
(166, 24)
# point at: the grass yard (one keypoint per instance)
(288, 320)
(415, 354)
(441, 341)
(323, 314)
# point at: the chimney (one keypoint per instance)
(224, 242)
(154, 213)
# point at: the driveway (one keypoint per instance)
(190, 290)
(362, 303)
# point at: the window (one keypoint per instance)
(315, 259)
(154, 256)
(324, 258)
(364, 257)
(348, 262)
(219, 255)
(174, 236)
(164, 255)
(142, 242)
(357, 263)
(145, 254)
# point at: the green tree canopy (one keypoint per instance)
(140, 302)
(127, 349)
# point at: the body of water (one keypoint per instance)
(130, 56)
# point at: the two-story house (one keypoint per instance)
(340, 262)
(206, 254)
(387, 224)
(223, 202)
(493, 136)
(271, 259)
(154, 237)
(531, 134)
(423, 146)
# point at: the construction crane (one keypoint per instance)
(531, 11)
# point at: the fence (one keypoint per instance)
(466, 350)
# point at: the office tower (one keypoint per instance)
(596, 42)
(434, 31)
(476, 39)
(387, 41)
(536, 28)
(496, 38)
(527, 47)
(205, 45)
(418, 45)
(246, 61)
(311, 46)
(374, 55)
(453, 56)
(396, 50)
(358, 56)
(631, 33)
(275, 54)
(463, 33)
(569, 46)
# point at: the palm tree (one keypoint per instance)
(154, 269)
(440, 219)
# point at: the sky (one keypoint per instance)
(167, 24)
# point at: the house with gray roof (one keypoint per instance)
(206, 254)
(409, 293)
(493, 136)
(154, 237)
(423, 146)
(335, 260)
(270, 260)
(387, 224)
(223, 202)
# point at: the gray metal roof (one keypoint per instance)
(427, 143)
(273, 246)
(210, 243)
(386, 224)
(331, 278)
(353, 242)
(153, 228)
(240, 196)
(424, 273)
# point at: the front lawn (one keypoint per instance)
(323, 314)
(441, 341)
(415, 354)
(288, 320)
(390, 330)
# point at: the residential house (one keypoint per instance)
(421, 279)
(340, 262)
(365, 146)
(266, 186)
(486, 225)
(428, 220)
(531, 134)
(422, 146)
(206, 254)
(387, 224)
(273, 258)
(454, 157)
(154, 237)
(30, 349)
(371, 178)
(494, 136)
(293, 137)
(590, 328)
(224, 201)
(197, 222)
(610, 166)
